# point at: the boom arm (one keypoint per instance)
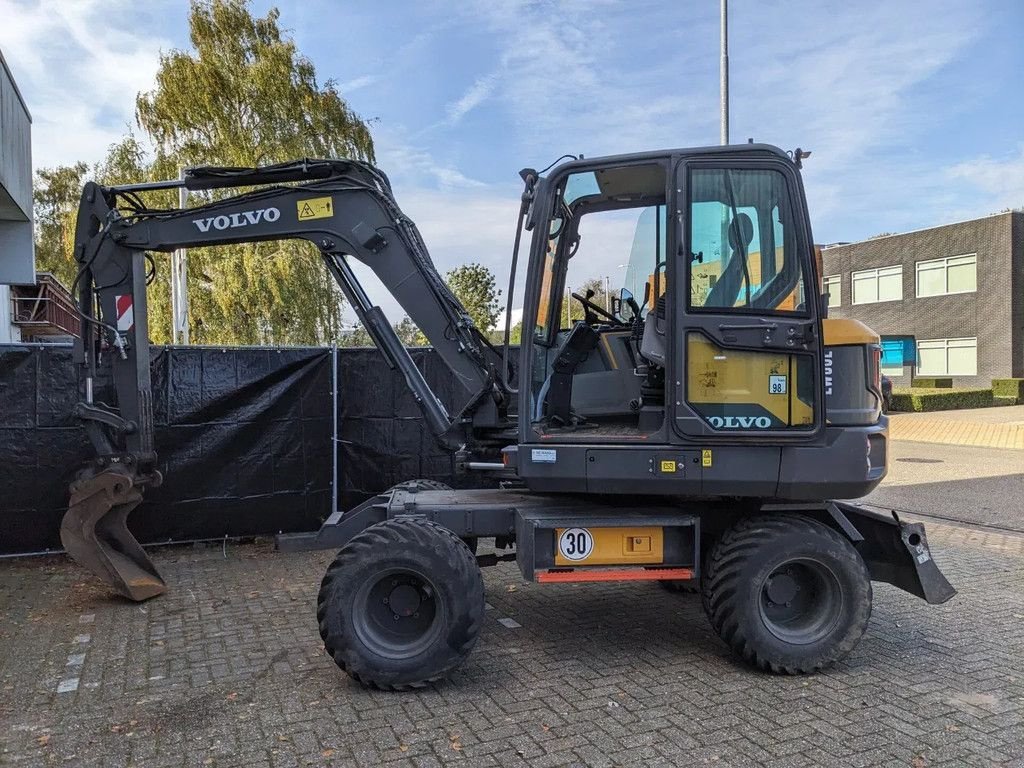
(347, 210)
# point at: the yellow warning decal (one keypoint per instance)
(315, 208)
(668, 466)
(705, 458)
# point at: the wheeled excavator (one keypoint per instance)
(700, 432)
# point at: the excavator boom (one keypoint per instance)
(346, 210)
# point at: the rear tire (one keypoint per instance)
(786, 593)
(680, 586)
(401, 605)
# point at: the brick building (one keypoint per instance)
(948, 301)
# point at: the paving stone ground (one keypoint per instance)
(999, 427)
(227, 670)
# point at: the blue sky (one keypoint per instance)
(914, 110)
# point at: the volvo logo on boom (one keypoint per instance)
(236, 220)
(740, 422)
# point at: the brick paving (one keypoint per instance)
(1000, 427)
(227, 670)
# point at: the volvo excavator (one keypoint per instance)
(701, 431)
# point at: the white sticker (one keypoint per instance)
(776, 384)
(544, 455)
(923, 558)
(575, 544)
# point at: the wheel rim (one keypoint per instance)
(801, 601)
(397, 613)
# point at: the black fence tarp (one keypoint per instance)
(383, 437)
(244, 438)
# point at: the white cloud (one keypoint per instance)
(356, 83)
(414, 165)
(849, 81)
(459, 226)
(79, 66)
(472, 98)
(1000, 180)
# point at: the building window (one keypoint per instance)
(954, 274)
(947, 357)
(897, 352)
(874, 285)
(833, 285)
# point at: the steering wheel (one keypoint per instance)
(596, 310)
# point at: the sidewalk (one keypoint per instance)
(1001, 427)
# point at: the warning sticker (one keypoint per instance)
(705, 458)
(315, 208)
(668, 466)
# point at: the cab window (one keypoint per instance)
(743, 248)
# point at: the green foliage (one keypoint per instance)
(356, 336)
(243, 95)
(515, 335)
(408, 333)
(1008, 391)
(919, 400)
(474, 285)
(932, 383)
(55, 196)
(405, 329)
(601, 297)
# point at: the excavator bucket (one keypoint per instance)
(95, 534)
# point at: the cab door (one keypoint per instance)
(750, 332)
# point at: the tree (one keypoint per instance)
(601, 296)
(243, 96)
(408, 333)
(246, 96)
(474, 285)
(55, 196)
(405, 329)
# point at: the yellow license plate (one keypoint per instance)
(609, 546)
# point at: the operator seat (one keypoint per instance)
(727, 289)
(724, 294)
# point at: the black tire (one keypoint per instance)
(786, 593)
(434, 576)
(680, 586)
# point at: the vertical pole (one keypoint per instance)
(568, 306)
(334, 429)
(724, 73)
(608, 293)
(179, 282)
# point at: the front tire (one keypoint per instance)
(401, 605)
(786, 593)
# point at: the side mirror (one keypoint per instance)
(627, 309)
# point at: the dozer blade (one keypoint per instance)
(95, 534)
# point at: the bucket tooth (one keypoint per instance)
(95, 534)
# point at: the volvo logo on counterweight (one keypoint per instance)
(236, 220)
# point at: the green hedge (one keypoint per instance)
(1008, 391)
(931, 383)
(922, 400)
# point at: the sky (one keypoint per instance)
(913, 110)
